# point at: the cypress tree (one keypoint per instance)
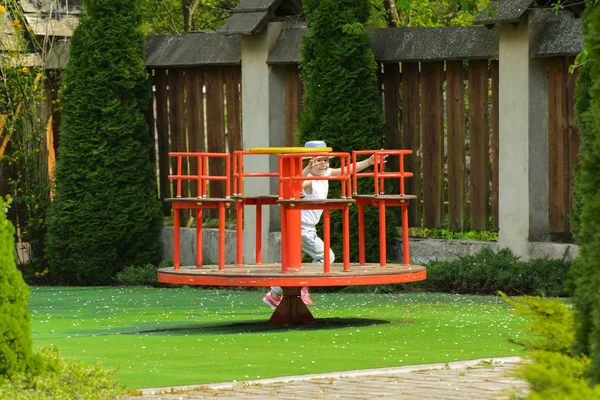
(586, 271)
(16, 345)
(341, 101)
(106, 212)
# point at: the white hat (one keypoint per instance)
(315, 143)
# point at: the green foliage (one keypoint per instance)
(585, 125)
(549, 320)
(488, 271)
(147, 274)
(586, 274)
(341, 103)
(16, 346)
(441, 233)
(430, 13)
(554, 373)
(24, 91)
(106, 213)
(167, 16)
(63, 380)
(138, 275)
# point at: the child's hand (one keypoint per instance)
(372, 159)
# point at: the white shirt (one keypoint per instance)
(320, 189)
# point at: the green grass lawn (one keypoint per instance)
(168, 337)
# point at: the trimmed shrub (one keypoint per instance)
(106, 213)
(134, 275)
(63, 380)
(554, 373)
(341, 102)
(586, 274)
(487, 272)
(16, 345)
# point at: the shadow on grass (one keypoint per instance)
(240, 327)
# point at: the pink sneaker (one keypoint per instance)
(305, 296)
(272, 300)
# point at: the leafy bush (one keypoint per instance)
(16, 345)
(487, 272)
(585, 273)
(62, 380)
(147, 274)
(133, 275)
(106, 213)
(554, 372)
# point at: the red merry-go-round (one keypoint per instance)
(291, 274)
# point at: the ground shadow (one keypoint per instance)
(254, 327)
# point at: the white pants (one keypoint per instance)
(313, 246)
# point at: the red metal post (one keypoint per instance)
(199, 237)
(179, 174)
(239, 214)
(284, 250)
(291, 167)
(176, 256)
(354, 174)
(221, 236)
(382, 246)
(405, 244)
(327, 241)
(346, 237)
(361, 233)
(258, 233)
(201, 189)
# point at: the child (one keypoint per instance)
(317, 190)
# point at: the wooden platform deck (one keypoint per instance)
(308, 275)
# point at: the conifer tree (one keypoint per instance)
(106, 212)
(341, 102)
(16, 345)
(586, 271)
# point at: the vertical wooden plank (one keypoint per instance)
(215, 127)
(557, 146)
(162, 135)
(432, 130)
(149, 117)
(391, 99)
(176, 80)
(574, 140)
(194, 82)
(457, 171)
(495, 75)
(293, 103)
(411, 137)
(479, 134)
(234, 102)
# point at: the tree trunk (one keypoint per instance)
(391, 13)
(189, 6)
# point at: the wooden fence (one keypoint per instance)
(446, 112)
(195, 109)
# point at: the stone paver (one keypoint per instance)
(476, 379)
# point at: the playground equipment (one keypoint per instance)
(291, 273)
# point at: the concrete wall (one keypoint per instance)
(263, 125)
(421, 250)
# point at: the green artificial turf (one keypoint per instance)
(168, 337)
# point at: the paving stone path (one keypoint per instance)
(476, 379)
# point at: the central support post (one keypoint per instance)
(291, 310)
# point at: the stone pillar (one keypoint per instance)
(263, 119)
(523, 159)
